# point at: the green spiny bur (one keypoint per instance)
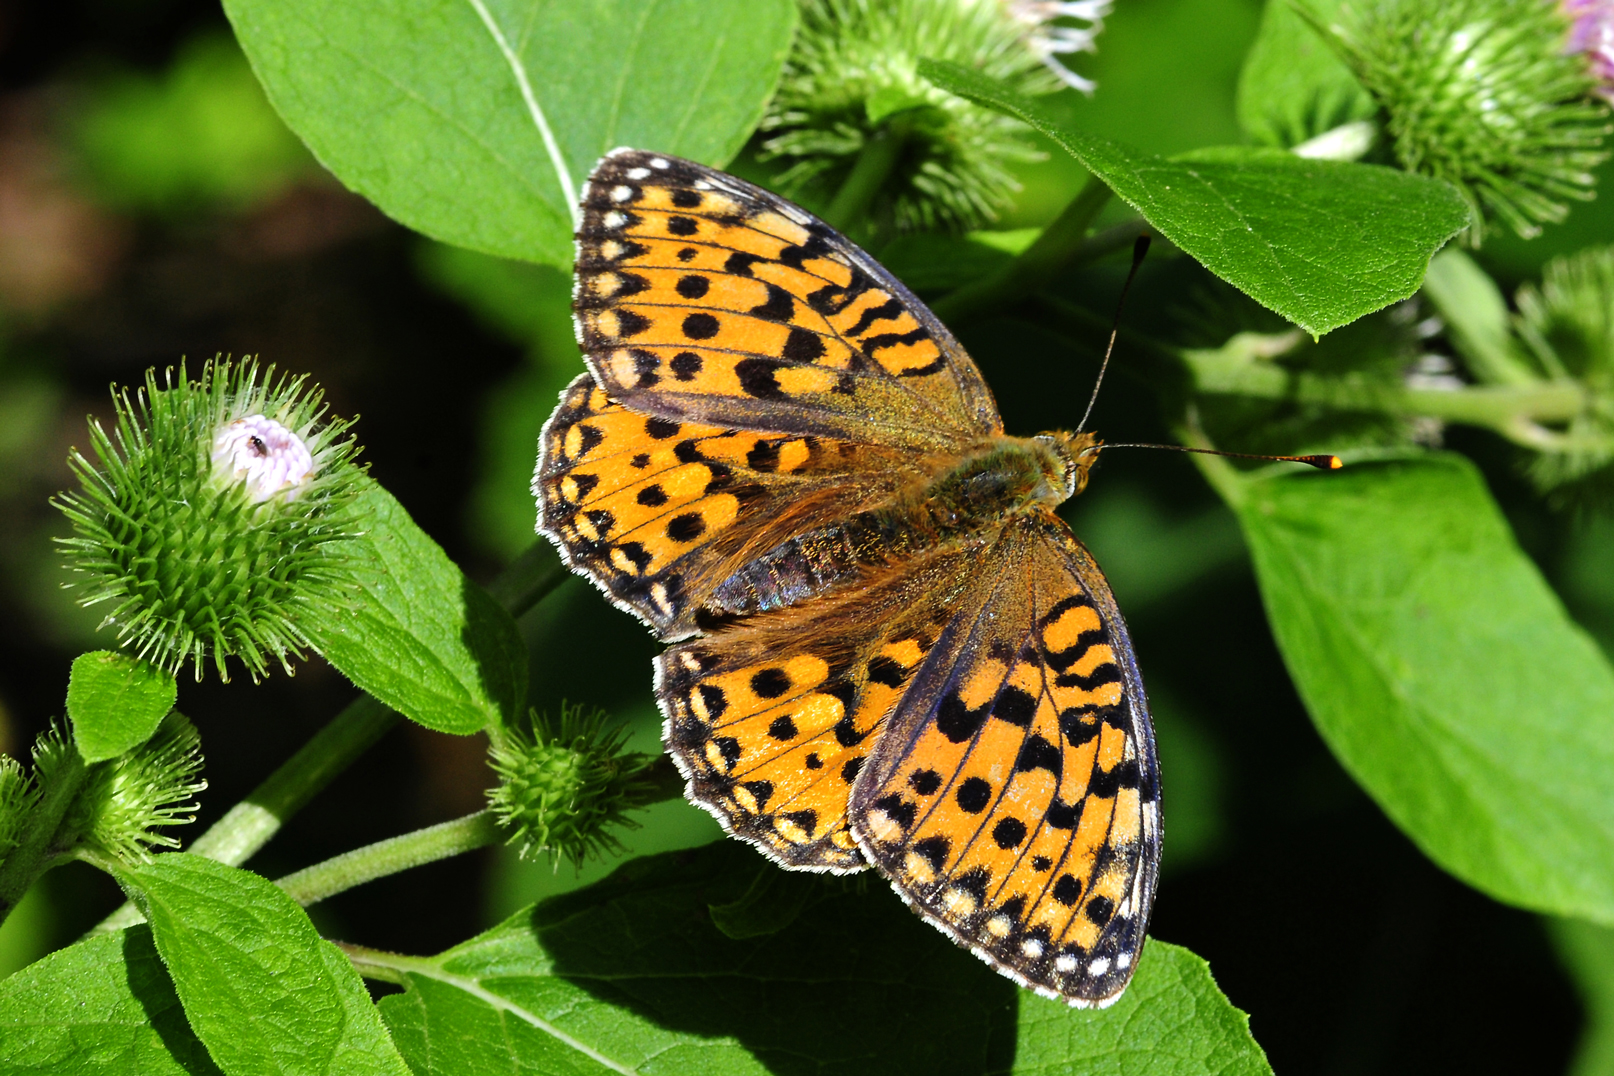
(197, 558)
(854, 71)
(1482, 94)
(127, 800)
(1567, 324)
(17, 797)
(562, 783)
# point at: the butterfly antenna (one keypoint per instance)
(1139, 248)
(1322, 462)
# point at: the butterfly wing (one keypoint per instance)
(771, 720)
(658, 512)
(1013, 796)
(703, 298)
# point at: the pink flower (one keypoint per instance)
(1593, 34)
(1048, 41)
(265, 455)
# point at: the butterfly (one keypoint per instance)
(890, 652)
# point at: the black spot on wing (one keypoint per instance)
(973, 794)
(757, 378)
(1015, 706)
(778, 307)
(892, 308)
(956, 721)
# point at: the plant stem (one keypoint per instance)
(339, 873)
(874, 165)
(34, 853)
(1235, 370)
(396, 854)
(1057, 246)
(529, 579)
(250, 824)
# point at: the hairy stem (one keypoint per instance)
(250, 824)
(874, 165)
(36, 851)
(397, 854)
(1238, 369)
(1059, 244)
(340, 873)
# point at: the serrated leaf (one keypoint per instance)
(476, 123)
(1320, 242)
(632, 975)
(116, 702)
(260, 987)
(1293, 85)
(103, 1007)
(1444, 673)
(417, 634)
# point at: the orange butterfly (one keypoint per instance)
(897, 654)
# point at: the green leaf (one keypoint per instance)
(116, 702)
(1444, 673)
(1293, 85)
(477, 122)
(103, 1006)
(1320, 242)
(418, 635)
(1477, 318)
(259, 986)
(632, 973)
(1588, 951)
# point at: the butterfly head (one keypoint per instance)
(1069, 460)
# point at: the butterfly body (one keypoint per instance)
(966, 501)
(889, 651)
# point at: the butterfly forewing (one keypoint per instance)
(702, 297)
(659, 512)
(1013, 795)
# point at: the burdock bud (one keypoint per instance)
(852, 81)
(562, 784)
(1483, 94)
(214, 520)
(127, 801)
(1567, 326)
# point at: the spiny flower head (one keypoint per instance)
(853, 77)
(213, 518)
(1567, 326)
(125, 801)
(562, 783)
(1481, 93)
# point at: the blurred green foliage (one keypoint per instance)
(199, 135)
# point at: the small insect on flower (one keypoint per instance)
(263, 454)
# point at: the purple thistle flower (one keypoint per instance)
(1592, 33)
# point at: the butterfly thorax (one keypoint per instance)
(966, 499)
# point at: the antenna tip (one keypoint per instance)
(1322, 463)
(1140, 247)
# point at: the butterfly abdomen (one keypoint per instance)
(967, 500)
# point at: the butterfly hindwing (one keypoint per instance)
(772, 720)
(700, 297)
(1013, 796)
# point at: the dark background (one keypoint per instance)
(151, 208)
